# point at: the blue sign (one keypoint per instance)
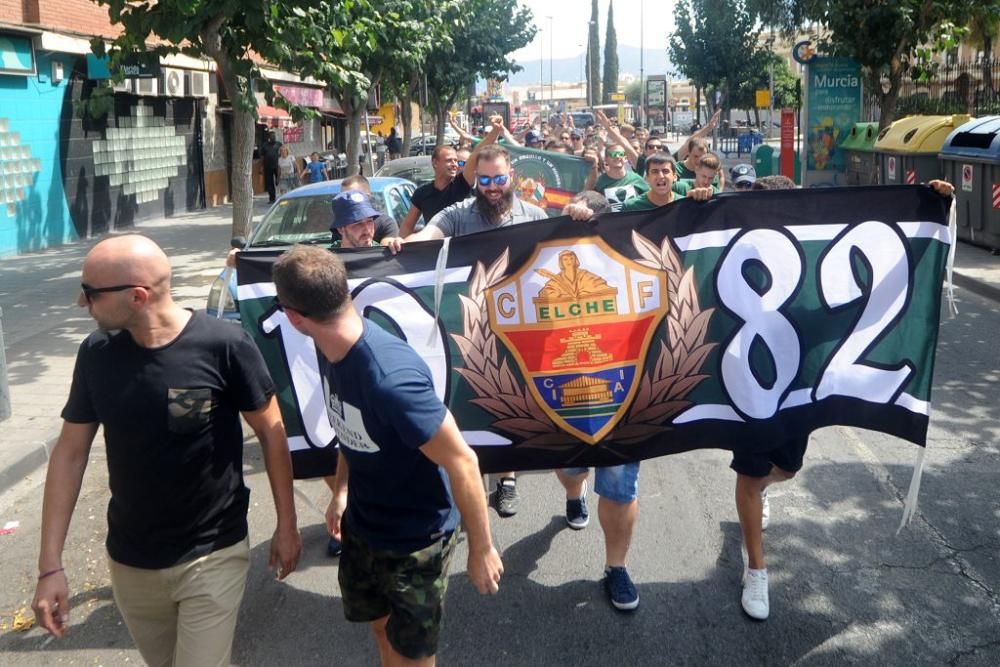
(17, 55)
(833, 106)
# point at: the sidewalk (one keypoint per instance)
(43, 326)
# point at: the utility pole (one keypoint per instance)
(642, 80)
(541, 73)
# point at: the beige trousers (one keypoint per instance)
(186, 614)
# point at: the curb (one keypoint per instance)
(979, 287)
(29, 463)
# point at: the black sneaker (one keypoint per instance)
(333, 547)
(577, 516)
(504, 499)
(621, 590)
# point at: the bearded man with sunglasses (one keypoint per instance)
(168, 385)
(494, 205)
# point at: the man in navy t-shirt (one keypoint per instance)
(402, 467)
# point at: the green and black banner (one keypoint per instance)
(737, 323)
(545, 178)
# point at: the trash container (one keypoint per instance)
(908, 149)
(859, 154)
(762, 157)
(970, 159)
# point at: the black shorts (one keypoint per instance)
(409, 588)
(787, 456)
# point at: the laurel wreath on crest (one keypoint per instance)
(662, 392)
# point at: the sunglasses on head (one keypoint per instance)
(280, 306)
(90, 292)
(616, 153)
(499, 179)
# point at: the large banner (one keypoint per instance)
(736, 323)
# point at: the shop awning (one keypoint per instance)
(273, 116)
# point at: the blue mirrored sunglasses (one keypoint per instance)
(461, 163)
(499, 179)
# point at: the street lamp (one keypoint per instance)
(552, 85)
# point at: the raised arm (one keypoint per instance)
(701, 132)
(617, 138)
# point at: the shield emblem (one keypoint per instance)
(578, 318)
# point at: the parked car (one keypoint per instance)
(303, 215)
(417, 169)
(425, 143)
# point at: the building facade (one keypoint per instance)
(74, 164)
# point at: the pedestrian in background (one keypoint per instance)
(287, 172)
(269, 159)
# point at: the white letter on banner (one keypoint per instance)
(411, 316)
(883, 250)
(303, 371)
(762, 319)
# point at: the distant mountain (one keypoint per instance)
(568, 70)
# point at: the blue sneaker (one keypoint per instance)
(577, 516)
(621, 590)
(333, 547)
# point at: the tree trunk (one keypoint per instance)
(697, 106)
(405, 98)
(988, 68)
(440, 114)
(355, 115)
(888, 100)
(241, 154)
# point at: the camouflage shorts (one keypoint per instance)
(408, 588)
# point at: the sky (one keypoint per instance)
(570, 18)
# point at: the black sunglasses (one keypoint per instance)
(281, 306)
(90, 292)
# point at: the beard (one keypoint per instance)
(494, 212)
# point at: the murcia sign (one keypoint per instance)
(578, 318)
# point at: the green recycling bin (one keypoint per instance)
(762, 156)
(859, 154)
(908, 149)
(970, 159)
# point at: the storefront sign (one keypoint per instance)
(301, 95)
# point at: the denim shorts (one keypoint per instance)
(617, 483)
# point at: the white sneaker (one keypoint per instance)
(765, 514)
(755, 602)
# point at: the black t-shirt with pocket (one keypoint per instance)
(431, 201)
(171, 418)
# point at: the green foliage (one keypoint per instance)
(744, 97)
(716, 45)
(888, 38)
(98, 104)
(610, 79)
(593, 58)
(484, 33)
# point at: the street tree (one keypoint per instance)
(882, 36)
(593, 57)
(401, 34)
(984, 31)
(484, 33)
(238, 36)
(785, 81)
(716, 44)
(610, 80)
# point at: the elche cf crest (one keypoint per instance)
(578, 318)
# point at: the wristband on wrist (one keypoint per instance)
(49, 573)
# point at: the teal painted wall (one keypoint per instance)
(33, 209)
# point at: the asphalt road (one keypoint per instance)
(845, 588)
